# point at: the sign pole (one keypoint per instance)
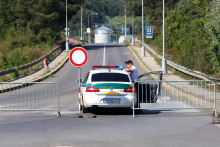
(79, 91)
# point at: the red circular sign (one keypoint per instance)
(78, 56)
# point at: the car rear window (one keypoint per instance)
(110, 77)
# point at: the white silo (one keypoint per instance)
(102, 35)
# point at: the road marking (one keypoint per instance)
(104, 56)
(111, 53)
(118, 53)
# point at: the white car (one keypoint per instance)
(107, 87)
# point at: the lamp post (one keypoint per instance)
(67, 44)
(143, 50)
(81, 38)
(125, 23)
(164, 64)
(133, 25)
(88, 25)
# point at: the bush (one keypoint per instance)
(188, 41)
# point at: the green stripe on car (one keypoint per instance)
(108, 85)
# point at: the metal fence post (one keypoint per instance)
(215, 111)
(133, 100)
(58, 98)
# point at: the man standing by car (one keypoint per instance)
(132, 69)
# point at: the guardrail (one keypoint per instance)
(29, 96)
(190, 72)
(12, 70)
(171, 95)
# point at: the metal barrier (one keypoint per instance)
(8, 71)
(171, 95)
(29, 96)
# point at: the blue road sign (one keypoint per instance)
(125, 29)
(149, 31)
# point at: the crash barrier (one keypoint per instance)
(180, 68)
(29, 96)
(171, 95)
(23, 67)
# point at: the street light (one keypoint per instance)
(88, 17)
(125, 23)
(88, 25)
(133, 25)
(164, 65)
(81, 38)
(67, 44)
(143, 51)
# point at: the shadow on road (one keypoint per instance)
(122, 111)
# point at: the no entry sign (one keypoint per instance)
(78, 56)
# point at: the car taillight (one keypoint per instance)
(92, 89)
(130, 89)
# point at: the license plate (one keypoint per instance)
(111, 101)
(111, 92)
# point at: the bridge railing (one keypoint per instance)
(26, 66)
(180, 68)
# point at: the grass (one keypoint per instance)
(20, 73)
(25, 72)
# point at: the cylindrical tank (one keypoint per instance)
(103, 35)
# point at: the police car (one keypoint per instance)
(107, 87)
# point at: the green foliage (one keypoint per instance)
(43, 18)
(187, 40)
(152, 12)
(30, 28)
(213, 28)
(192, 31)
(104, 8)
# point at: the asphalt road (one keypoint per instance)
(110, 127)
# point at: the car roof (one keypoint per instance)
(107, 71)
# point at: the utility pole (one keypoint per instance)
(67, 44)
(133, 25)
(143, 50)
(81, 38)
(164, 64)
(125, 23)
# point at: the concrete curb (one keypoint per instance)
(52, 72)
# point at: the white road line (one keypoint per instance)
(104, 56)
(117, 53)
(111, 53)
